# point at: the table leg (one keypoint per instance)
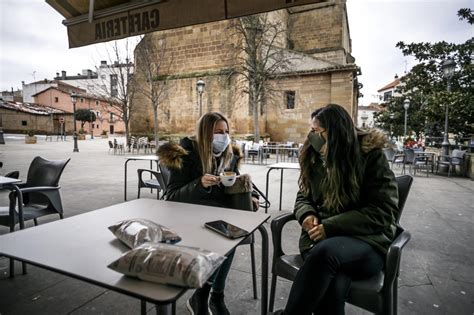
(21, 220)
(281, 188)
(266, 188)
(264, 234)
(125, 182)
(164, 309)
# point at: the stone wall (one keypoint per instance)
(320, 31)
(206, 52)
(312, 92)
(12, 121)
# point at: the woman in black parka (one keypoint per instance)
(194, 166)
(347, 206)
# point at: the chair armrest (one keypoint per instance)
(38, 189)
(51, 193)
(157, 175)
(276, 226)
(444, 156)
(154, 173)
(394, 254)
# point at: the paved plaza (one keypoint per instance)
(437, 269)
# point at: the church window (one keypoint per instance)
(290, 99)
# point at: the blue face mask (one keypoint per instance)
(220, 142)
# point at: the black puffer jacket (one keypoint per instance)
(373, 218)
(185, 168)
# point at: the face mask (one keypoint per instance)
(220, 142)
(316, 141)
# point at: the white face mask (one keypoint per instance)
(220, 142)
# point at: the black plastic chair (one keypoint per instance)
(377, 294)
(13, 174)
(156, 182)
(40, 195)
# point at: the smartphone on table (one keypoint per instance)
(226, 229)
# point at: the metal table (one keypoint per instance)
(84, 247)
(10, 184)
(282, 167)
(150, 158)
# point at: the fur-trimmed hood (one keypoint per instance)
(372, 139)
(171, 154)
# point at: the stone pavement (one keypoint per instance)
(437, 264)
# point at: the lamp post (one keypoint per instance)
(406, 105)
(448, 70)
(74, 100)
(200, 84)
(91, 129)
(391, 115)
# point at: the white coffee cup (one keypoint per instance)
(228, 178)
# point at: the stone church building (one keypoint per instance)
(322, 71)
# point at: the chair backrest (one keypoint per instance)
(409, 155)
(458, 154)
(43, 172)
(389, 154)
(165, 173)
(404, 184)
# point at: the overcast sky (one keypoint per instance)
(34, 42)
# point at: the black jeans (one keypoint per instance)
(323, 282)
(219, 277)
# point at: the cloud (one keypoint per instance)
(376, 26)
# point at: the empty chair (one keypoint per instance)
(118, 146)
(451, 161)
(155, 182)
(377, 294)
(40, 195)
(393, 157)
(254, 152)
(13, 174)
(132, 144)
(111, 146)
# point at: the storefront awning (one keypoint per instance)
(94, 21)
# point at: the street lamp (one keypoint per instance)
(406, 105)
(391, 115)
(74, 100)
(91, 129)
(448, 70)
(200, 84)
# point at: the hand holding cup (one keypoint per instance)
(228, 178)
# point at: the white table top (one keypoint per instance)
(292, 166)
(81, 246)
(143, 157)
(8, 180)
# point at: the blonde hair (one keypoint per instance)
(204, 137)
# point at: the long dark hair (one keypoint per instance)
(341, 185)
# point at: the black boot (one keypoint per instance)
(217, 305)
(198, 302)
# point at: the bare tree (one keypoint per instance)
(115, 82)
(153, 65)
(259, 59)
